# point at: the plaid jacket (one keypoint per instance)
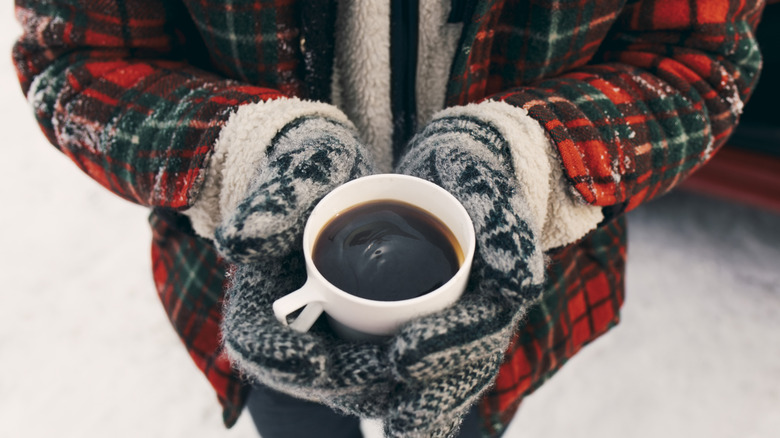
(635, 96)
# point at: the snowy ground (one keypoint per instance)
(86, 350)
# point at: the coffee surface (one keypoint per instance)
(387, 251)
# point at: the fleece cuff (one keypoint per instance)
(240, 151)
(561, 217)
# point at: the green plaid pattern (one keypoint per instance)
(109, 90)
(582, 300)
(190, 278)
(633, 111)
(255, 42)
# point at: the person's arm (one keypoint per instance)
(118, 90)
(663, 93)
(115, 87)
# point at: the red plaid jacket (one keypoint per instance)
(635, 95)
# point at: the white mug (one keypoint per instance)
(360, 318)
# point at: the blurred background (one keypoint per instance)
(86, 349)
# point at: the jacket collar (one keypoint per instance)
(470, 68)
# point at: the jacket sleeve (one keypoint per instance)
(663, 93)
(111, 86)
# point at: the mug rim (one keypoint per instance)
(468, 251)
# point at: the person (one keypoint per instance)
(548, 120)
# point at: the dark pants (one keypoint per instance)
(278, 415)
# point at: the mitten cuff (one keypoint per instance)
(560, 216)
(240, 150)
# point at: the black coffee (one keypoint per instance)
(386, 250)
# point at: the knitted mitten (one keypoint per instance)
(307, 159)
(445, 361)
(262, 235)
(353, 378)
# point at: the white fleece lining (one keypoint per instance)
(362, 71)
(436, 46)
(240, 151)
(559, 215)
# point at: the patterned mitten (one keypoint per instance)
(307, 159)
(262, 235)
(445, 361)
(351, 377)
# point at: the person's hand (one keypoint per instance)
(262, 237)
(443, 362)
(307, 159)
(350, 377)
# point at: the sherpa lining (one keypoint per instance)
(438, 41)
(362, 74)
(538, 169)
(361, 83)
(240, 151)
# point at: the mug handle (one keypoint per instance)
(307, 297)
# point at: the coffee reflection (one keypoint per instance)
(386, 251)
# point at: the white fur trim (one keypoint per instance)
(240, 151)
(436, 46)
(562, 218)
(362, 70)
